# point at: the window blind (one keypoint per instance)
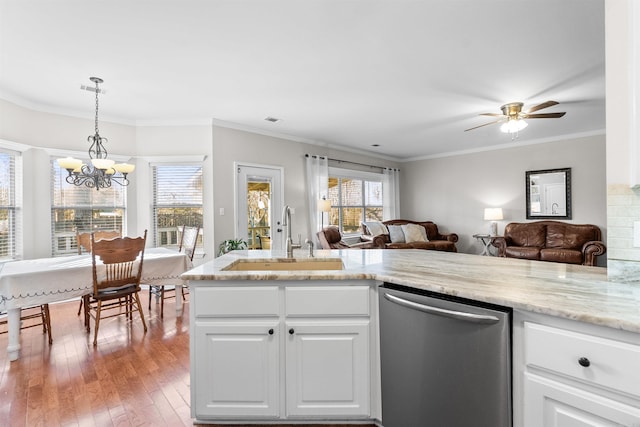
(177, 200)
(10, 205)
(79, 208)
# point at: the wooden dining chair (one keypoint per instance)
(117, 269)
(188, 242)
(83, 242)
(39, 312)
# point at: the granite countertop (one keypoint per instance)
(570, 291)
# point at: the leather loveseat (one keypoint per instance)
(399, 236)
(553, 241)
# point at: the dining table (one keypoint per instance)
(32, 282)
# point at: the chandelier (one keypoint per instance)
(102, 171)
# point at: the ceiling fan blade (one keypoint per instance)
(486, 124)
(491, 114)
(541, 106)
(544, 115)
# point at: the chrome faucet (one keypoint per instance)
(310, 246)
(286, 222)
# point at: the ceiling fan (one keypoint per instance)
(512, 116)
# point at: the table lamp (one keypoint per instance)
(493, 215)
(324, 205)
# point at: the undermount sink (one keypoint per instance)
(285, 264)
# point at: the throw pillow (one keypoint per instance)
(376, 228)
(414, 233)
(396, 234)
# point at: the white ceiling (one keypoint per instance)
(410, 76)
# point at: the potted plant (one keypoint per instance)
(231, 245)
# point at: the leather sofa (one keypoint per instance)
(553, 241)
(434, 239)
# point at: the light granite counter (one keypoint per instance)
(567, 291)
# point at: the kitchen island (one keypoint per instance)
(552, 303)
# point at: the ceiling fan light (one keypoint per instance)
(513, 126)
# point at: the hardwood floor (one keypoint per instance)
(129, 379)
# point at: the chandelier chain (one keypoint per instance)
(96, 107)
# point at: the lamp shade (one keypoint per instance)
(493, 214)
(324, 205)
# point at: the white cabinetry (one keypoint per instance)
(282, 352)
(327, 351)
(577, 378)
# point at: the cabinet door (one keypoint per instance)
(238, 369)
(553, 404)
(327, 369)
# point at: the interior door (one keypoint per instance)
(258, 205)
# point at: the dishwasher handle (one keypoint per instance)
(459, 315)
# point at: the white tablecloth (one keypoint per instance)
(39, 281)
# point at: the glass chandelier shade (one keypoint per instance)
(101, 172)
(513, 126)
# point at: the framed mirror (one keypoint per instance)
(548, 194)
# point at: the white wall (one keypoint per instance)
(232, 145)
(622, 19)
(454, 191)
(171, 143)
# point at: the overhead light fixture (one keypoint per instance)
(102, 171)
(513, 126)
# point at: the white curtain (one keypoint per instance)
(390, 194)
(317, 169)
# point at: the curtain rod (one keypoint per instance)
(350, 162)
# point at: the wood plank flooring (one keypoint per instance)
(129, 379)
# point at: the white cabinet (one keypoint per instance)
(327, 351)
(576, 378)
(290, 351)
(552, 403)
(237, 369)
(327, 368)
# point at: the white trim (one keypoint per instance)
(289, 137)
(174, 160)
(236, 166)
(514, 144)
(56, 152)
(14, 146)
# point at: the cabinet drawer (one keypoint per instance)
(612, 364)
(327, 301)
(240, 301)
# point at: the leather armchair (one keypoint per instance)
(330, 238)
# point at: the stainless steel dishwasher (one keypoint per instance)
(446, 362)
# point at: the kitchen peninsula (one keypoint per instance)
(576, 335)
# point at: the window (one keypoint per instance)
(177, 200)
(79, 208)
(10, 218)
(354, 199)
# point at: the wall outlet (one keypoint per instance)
(636, 234)
(221, 211)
